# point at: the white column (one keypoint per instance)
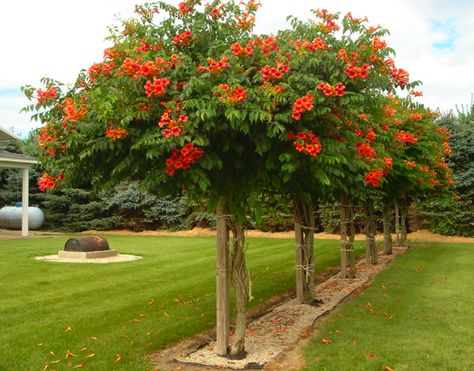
(24, 202)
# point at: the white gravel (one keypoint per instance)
(113, 259)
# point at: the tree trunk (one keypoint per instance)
(387, 229)
(347, 239)
(304, 237)
(370, 231)
(240, 282)
(222, 275)
(403, 222)
(397, 223)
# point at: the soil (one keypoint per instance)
(421, 235)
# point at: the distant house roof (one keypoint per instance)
(7, 135)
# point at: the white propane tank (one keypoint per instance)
(10, 217)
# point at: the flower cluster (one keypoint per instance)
(118, 133)
(354, 71)
(316, 44)
(98, 69)
(47, 134)
(51, 92)
(172, 126)
(143, 106)
(251, 5)
(356, 20)
(365, 150)
(400, 76)
(277, 72)
(130, 66)
(184, 8)
(405, 137)
(443, 164)
(302, 104)
(72, 112)
(134, 67)
(389, 112)
(416, 93)
(378, 44)
(183, 39)
(111, 54)
(245, 21)
(415, 116)
(215, 67)
(215, 11)
(236, 95)
(388, 161)
(370, 135)
(328, 23)
(47, 181)
(267, 45)
(447, 149)
(411, 164)
(273, 89)
(183, 158)
(156, 87)
(373, 177)
(143, 47)
(332, 91)
(240, 51)
(306, 142)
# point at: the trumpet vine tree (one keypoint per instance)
(188, 98)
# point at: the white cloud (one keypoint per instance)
(57, 38)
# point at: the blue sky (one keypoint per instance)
(446, 32)
(56, 38)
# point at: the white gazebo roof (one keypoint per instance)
(16, 161)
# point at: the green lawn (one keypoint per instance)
(418, 314)
(119, 313)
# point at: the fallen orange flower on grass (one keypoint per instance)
(326, 341)
(69, 354)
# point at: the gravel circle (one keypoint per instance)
(120, 258)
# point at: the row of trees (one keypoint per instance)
(189, 99)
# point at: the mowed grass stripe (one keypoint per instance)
(41, 300)
(111, 301)
(418, 314)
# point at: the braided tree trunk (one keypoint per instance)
(240, 282)
(304, 237)
(370, 231)
(400, 222)
(403, 222)
(387, 229)
(397, 223)
(222, 280)
(231, 267)
(347, 239)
